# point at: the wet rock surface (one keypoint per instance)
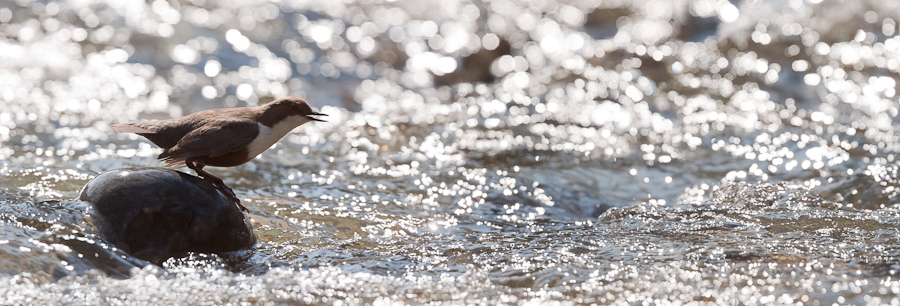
(158, 213)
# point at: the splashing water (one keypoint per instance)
(500, 152)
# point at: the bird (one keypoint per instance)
(225, 137)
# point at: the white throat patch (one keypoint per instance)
(269, 136)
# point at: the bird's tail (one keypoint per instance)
(173, 162)
(138, 128)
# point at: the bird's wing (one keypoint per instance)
(215, 138)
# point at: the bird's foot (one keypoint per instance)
(229, 193)
(215, 181)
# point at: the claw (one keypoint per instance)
(229, 193)
(216, 182)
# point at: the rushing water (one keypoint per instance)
(497, 152)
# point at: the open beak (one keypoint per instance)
(316, 119)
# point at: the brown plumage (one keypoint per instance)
(222, 137)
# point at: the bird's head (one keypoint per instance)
(291, 110)
(299, 107)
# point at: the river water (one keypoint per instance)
(494, 153)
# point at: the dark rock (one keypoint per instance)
(158, 213)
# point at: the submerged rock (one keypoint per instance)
(158, 213)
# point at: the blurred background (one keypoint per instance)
(477, 152)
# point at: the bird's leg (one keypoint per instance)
(215, 181)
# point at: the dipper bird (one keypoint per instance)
(222, 137)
